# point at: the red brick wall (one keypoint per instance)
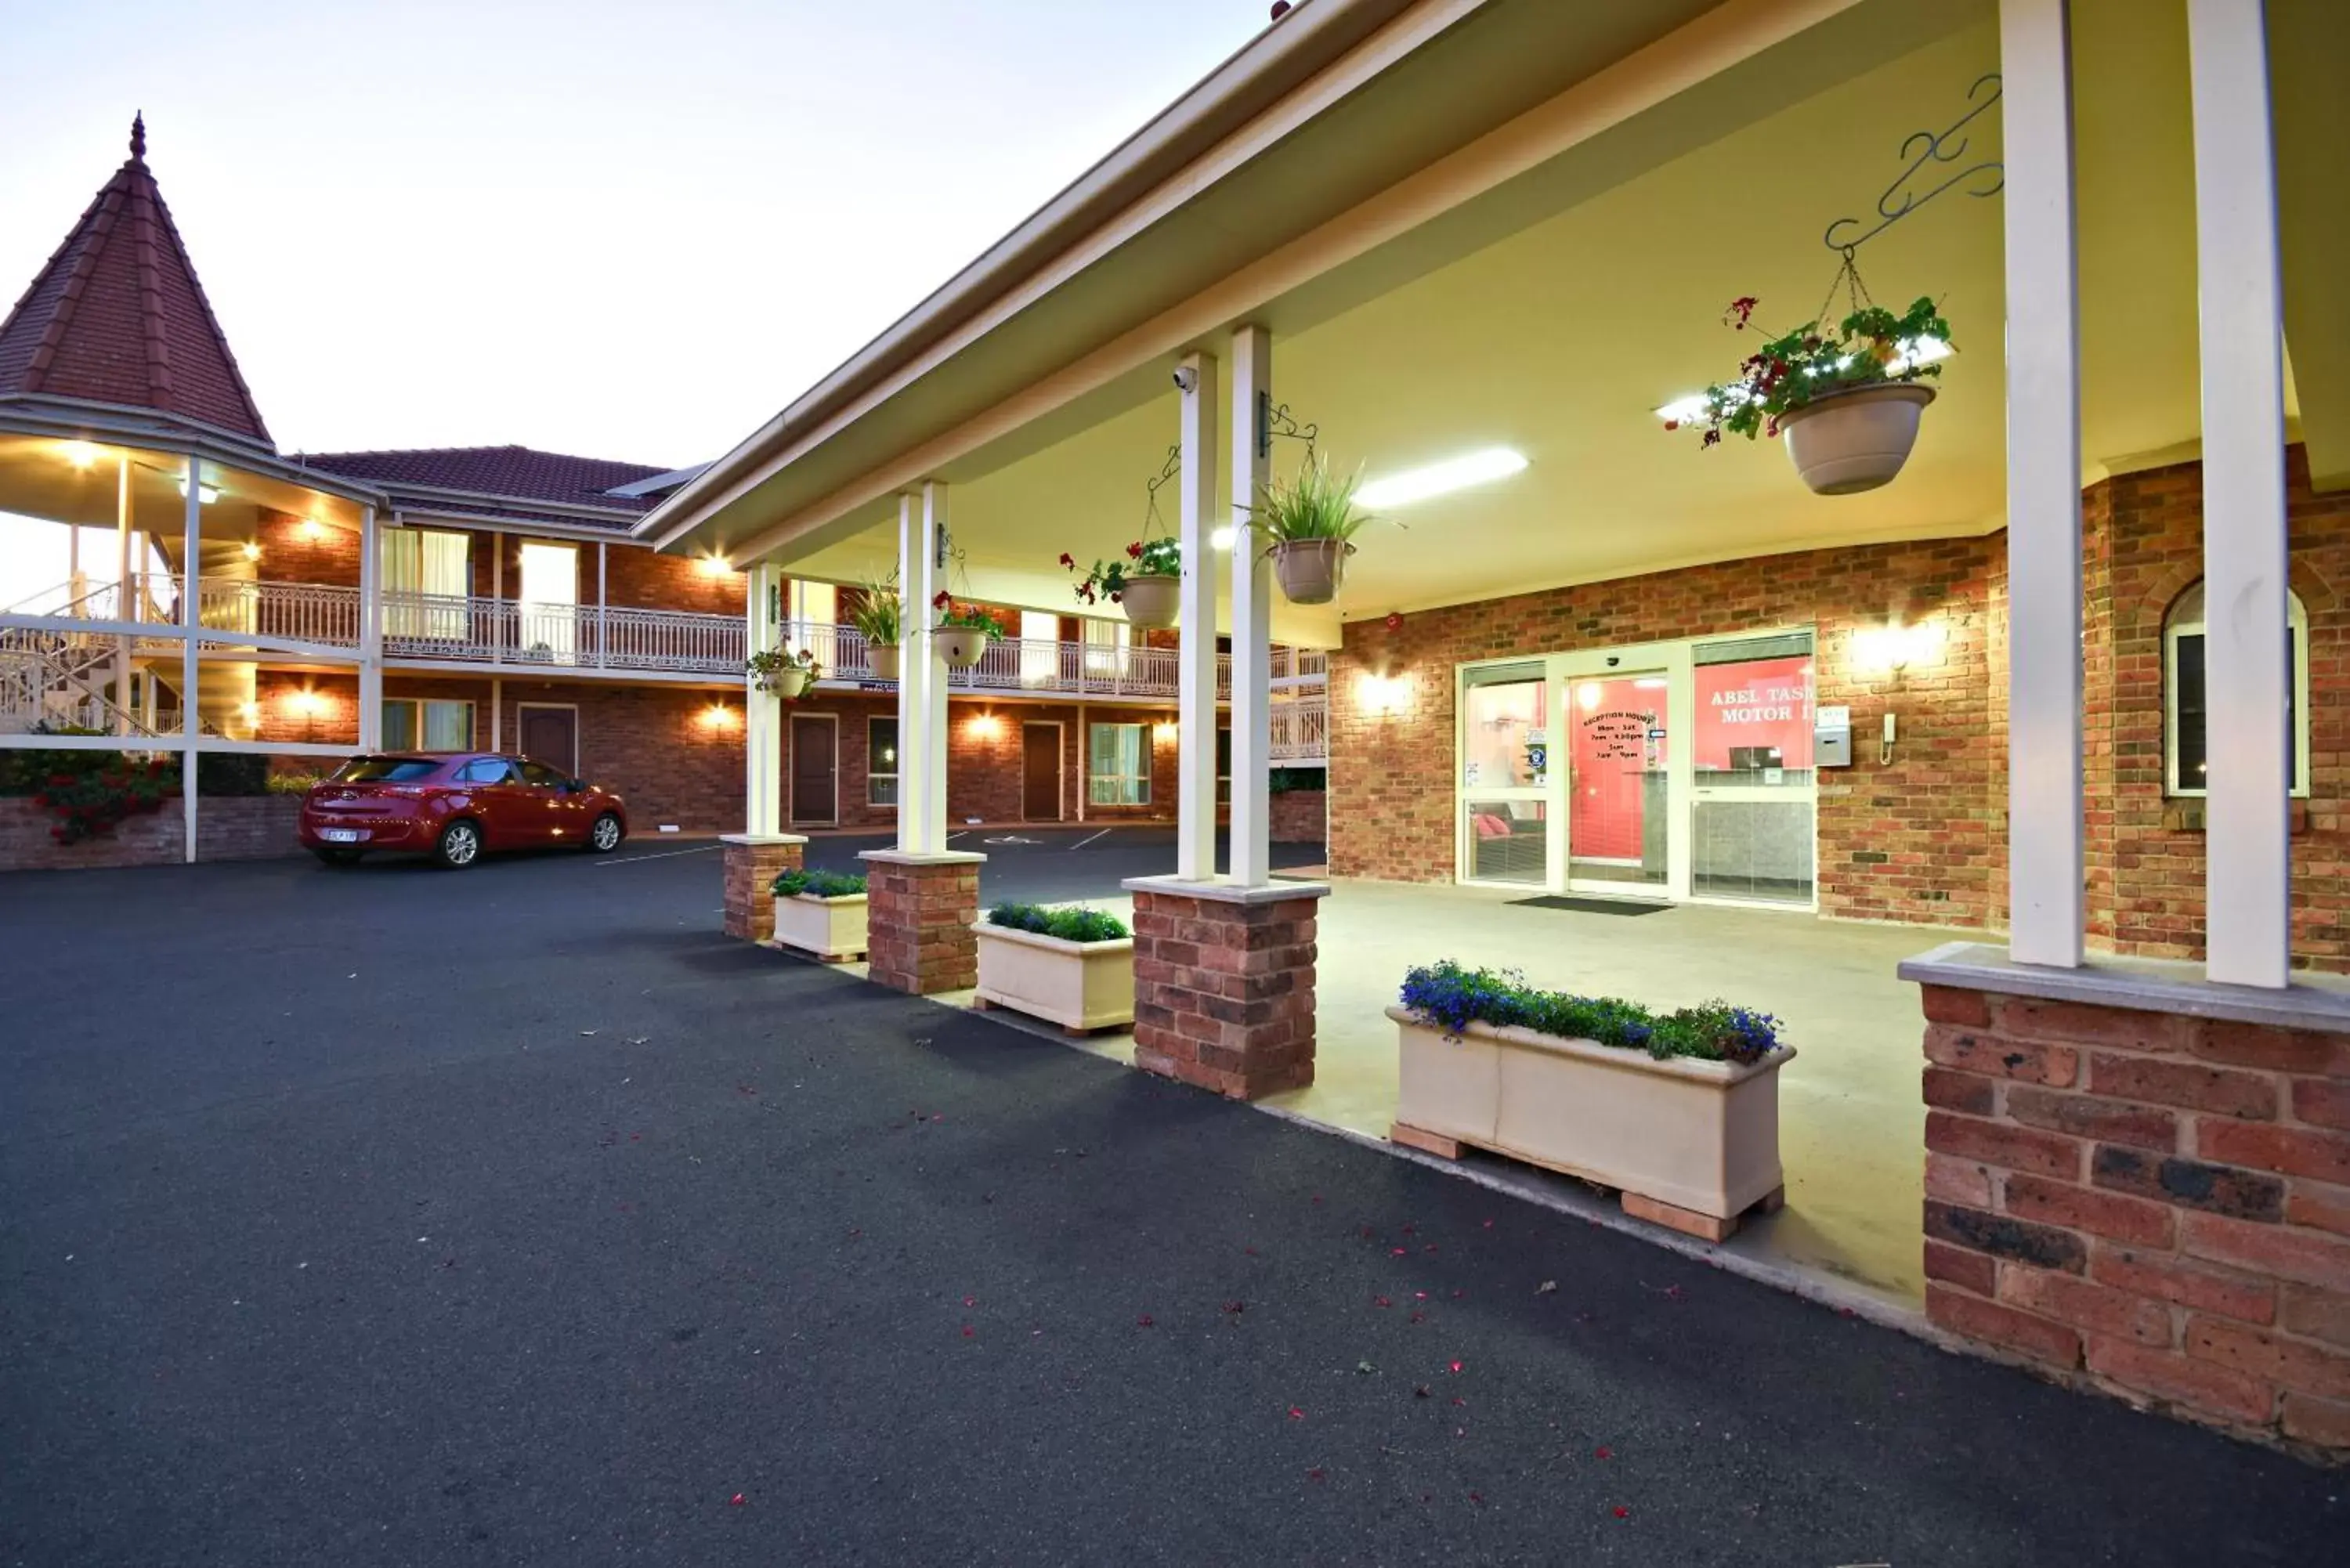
(290, 553)
(228, 827)
(2156, 1204)
(1912, 840)
(639, 578)
(2156, 872)
(1300, 817)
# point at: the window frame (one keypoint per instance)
(2188, 617)
(873, 774)
(416, 722)
(1094, 780)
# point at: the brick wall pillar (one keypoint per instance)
(1223, 983)
(2125, 1190)
(920, 912)
(753, 859)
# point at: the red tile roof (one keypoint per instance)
(516, 473)
(117, 316)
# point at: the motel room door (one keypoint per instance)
(816, 755)
(1040, 771)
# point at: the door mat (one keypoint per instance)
(1590, 906)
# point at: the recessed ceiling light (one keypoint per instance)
(1441, 478)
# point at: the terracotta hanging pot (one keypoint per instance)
(1152, 603)
(1311, 570)
(1852, 441)
(959, 646)
(882, 658)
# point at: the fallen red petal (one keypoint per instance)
(1313, 1474)
(1623, 1513)
(1142, 1322)
(1296, 1414)
(1603, 1453)
(1476, 1497)
(968, 1330)
(1456, 1366)
(736, 1501)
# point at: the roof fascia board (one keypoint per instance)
(429, 517)
(520, 503)
(1705, 48)
(1042, 253)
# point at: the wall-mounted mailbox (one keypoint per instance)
(1832, 738)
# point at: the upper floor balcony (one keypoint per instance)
(325, 620)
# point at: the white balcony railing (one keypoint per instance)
(1301, 730)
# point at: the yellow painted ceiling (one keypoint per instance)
(1561, 338)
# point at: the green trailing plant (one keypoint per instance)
(1077, 925)
(295, 784)
(768, 663)
(1315, 505)
(797, 882)
(1452, 997)
(955, 615)
(1871, 347)
(1156, 557)
(878, 614)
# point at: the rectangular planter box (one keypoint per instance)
(1081, 986)
(831, 928)
(1694, 1136)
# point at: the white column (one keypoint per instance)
(370, 633)
(603, 601)
(2044, 488)
(1252, 712)
(922, 679)
(2247, 843)
(124, 604)
(763, 712)
(1195, 667)
(192, 583)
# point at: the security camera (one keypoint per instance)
(1186, 379)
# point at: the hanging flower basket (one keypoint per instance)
(1306, 524)
(875, 613)
(1147, 583)
(882, 659)
(1311, 571)
(962, 649)
(782, 673)
(963, 631)
(1846, 398)
(1856, 440)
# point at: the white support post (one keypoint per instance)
(2248, 900)
(921, 683)
(762, 728)
(498, 600)
(191, 582)
(371, 634)
(125, 605)
(2044, 488)
(603, 602)
(1251, 710)
(1195, 658)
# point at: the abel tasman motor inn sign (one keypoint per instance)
(1754, 715)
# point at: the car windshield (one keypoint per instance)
(386, 770)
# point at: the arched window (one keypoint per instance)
(2185, 745)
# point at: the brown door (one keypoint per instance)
(551, 735)
(814, 750)
(1040, 772)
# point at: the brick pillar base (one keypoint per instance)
(1223, 984)
(751, 861)
(2128, 1192)
(920, 912)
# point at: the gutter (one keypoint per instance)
(1285, 54)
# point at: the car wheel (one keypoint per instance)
(606, 836)
(460, 845)
(334, 857)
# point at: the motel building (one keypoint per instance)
(2034, 754)
(486, 598)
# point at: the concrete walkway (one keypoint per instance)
(517, 1217)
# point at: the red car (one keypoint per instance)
(455, 804)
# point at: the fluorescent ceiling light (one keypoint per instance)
(1220, 539)
(205, 493)
(1441, 478)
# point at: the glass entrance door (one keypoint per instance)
(1752, 827)
(1619, 816)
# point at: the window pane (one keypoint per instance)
(881, 761)
(1509, 841)
(2192, 748)
(541, 776)
(399, 726)
(1120, 764)
(1752, 719)
(1504, 728)
(448, 726)
(386, 770)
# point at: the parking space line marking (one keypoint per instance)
(664, 855)
(1081, 843)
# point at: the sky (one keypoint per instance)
(629, 231)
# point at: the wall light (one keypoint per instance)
(309, 702)
(1441, 478)
(80, 453)
(1893, 647)
(719, 716)
(986, 726)
(1381, 695)
(712, 566)
(1164, 731)
(251, 710)
(253, 549)
(313, 530)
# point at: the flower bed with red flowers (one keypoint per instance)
(89, 793)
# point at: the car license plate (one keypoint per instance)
(339, 834)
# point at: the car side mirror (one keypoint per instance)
(574, 786)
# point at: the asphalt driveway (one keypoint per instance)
(517, 1217)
